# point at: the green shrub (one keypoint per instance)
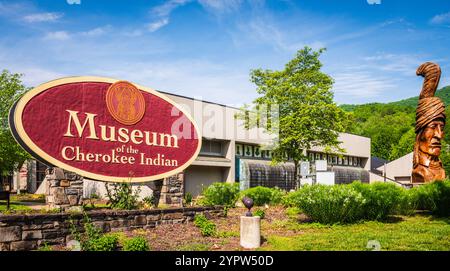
(381, 199)
(149, 200)
(291, 199)
(122, 196)
(408, 203)
(263, 195)
(207, 227)
(219, 193)
(329, 204)
(107, 242)
(188, 198)
(261, 213)
(433, 196)
(92, 239)
(138, 243)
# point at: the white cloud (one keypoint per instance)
(360, 84)
(441, 18)
(152, 27)
(221, 6)
(165, 9)
(98, 31)
(57, 35)
(405, 64)
(43, 17)
(263, 30)
(162, 14)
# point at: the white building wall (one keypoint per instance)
(401, 167)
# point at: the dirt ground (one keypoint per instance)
(188, 237)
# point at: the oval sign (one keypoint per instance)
(105, 129)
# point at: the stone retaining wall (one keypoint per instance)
(29, 231)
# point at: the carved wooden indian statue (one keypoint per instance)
(430, 121)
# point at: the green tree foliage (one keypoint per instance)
(12, 155)
(405, 145)
(307, 114)
(385, 124)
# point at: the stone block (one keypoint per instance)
(76, 183)
(58, 173)
(73, 199)
(73, 191)
(140, 220)
(51, 234)
(31, 235)
(71, 176)
(173, 216)
(37, 227)
(4, 246)
(153, 218)
(23, 245)
(8, 234)
(116, 223)
(64, 183)
(59, 195)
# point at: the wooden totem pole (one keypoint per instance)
(430, 122)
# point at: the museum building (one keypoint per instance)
(231, 153)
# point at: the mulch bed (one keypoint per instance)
(188, 237)
(170, 237)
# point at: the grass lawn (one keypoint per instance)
(419, 232)
(14, 206)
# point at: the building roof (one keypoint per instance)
(376, 162)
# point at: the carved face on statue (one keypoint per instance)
(431, 136)
(429, 128)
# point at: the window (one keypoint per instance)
(318, 156)
(345, 160)
(238, 149)
(311, 156)
(358, 162)
(40, 173)
(211, 147)
(248, 150)
(339, 160)
(257, 151)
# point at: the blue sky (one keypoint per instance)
(206, 48)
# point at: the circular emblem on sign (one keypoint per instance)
(125, 102)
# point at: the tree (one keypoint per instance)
(307, 115)
(12, 156)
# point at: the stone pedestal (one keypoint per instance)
(64, 189)
(250, 231)
(172, 190)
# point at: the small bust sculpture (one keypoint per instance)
(430, 122)
(248, 203)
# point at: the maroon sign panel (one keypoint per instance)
(105, 129)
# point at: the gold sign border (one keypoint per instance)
(19, 129)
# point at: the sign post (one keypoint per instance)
(104, 129)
